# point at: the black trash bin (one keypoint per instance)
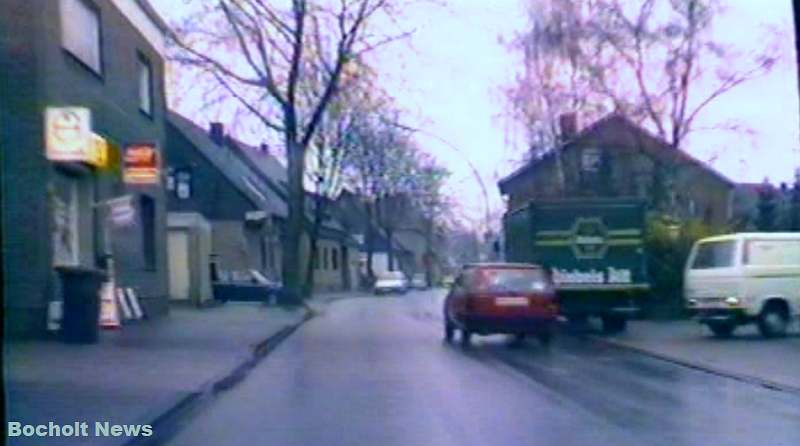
(81, 287)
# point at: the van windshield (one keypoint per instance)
(714, 255)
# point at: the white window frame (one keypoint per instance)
(594, 154)
(81, 33)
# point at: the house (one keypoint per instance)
(86, 78)
(350, 209)
(335, 264)
(208, 180)
(615, 157)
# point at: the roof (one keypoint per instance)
(241, 176)
(154, 16)
(677, 155)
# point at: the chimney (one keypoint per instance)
(568, 126)
(216, 132)
(263, 148)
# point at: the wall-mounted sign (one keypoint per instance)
(142, 164)
(68, 134)
(99, 154)
(121, 211)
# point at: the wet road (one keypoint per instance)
(376, 372)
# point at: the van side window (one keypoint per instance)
(772, 252)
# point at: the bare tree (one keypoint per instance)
(645, 59)
(284, 63)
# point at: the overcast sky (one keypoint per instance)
(447, 77)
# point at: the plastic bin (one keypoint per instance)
(81, 288)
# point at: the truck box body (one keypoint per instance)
(594, 248)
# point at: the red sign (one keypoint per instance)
(142, 164)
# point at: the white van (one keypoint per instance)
(745, 278)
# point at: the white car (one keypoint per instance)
(418, 282)
(391, 282)
(745, 278)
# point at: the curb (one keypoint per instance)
(748, 379)
(166, 424)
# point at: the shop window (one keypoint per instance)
(80, 32)
(145, 85)
(148, 225)
(334, 259)
(65, 227)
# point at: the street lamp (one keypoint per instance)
(472, 167)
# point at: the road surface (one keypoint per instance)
(375, 372)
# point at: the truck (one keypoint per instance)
(594, 250)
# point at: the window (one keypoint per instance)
(148, 222)
(145, 72)
(714, 255)
(591, 160)
(80, 32)
(334, 259)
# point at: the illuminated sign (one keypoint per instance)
(68, 134)
(141, 164)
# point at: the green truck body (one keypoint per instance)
(594, 250)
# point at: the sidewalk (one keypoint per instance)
(746, 356)
(136, 374)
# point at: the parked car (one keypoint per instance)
(391, 282)
(504, 298)
(745, 278)
(419, 282)
(247, 286)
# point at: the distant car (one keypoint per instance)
(419, 282)
(501, 298)
(391, 282)
(247, 286)
(448, 280)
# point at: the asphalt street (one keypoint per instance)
(375, 371)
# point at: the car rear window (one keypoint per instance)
(517, 280)
(714, 255)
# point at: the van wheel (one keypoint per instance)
(722, 329)
(449, 331)
(466, 338)
(773, 321)
(614, 324)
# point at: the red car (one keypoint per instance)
(504, 298)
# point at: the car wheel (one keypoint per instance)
(466, 338)
(722, 329)
(614, 324)
(773, 321)
(449, 331)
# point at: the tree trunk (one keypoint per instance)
(313, 238)
(390, 248)
(290, 260)
(370, 241)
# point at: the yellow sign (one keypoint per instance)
(68, 134)
(99, 153)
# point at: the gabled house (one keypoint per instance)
(336, 262)
(207, 181)
(615, 157)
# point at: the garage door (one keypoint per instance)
(178, 245)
